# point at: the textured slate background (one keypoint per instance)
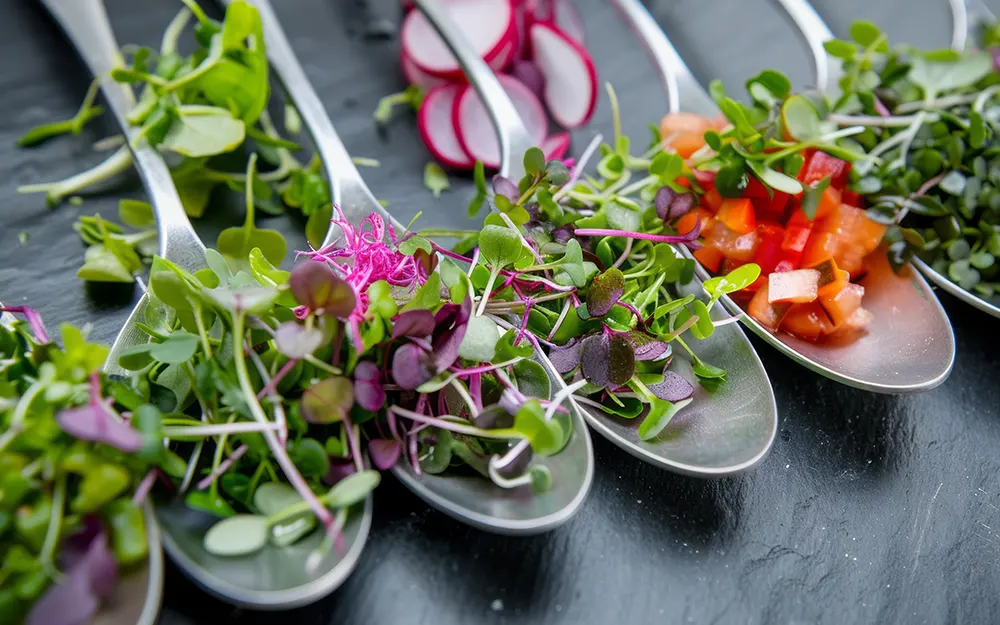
(870, 509)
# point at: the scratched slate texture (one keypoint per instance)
(870, 509)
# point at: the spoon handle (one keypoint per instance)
(85, 23)
(350, 193)
(966, 14)
(684, 92)
(513, 136)
(816, 33)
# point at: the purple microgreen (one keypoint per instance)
(418, 322)
(451, 323)
(95, 422)
(673, 388)
(412, 366)
(493, 417)
(338, 471)
(368, 389)
(608, 359)
(328, 401)
(76, 598)
(567, 358)
(671, 205)
(506, 188)
(34, 320)
(316, 286)
(605, 291)
(384, 452)
(647, 347)
(296, 340)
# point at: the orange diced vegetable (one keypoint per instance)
(795, 287)
(685, 132)
(712, 200)
(687, 222)
(831, 278)
(807, 321)
(733, 245)
(828, 202)
(767, 314)
(843, 304)
(738, 215)
(709, 257)
(857, 322)
(822, 246)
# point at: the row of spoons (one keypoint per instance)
(735, 429)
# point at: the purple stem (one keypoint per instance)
(271, 387)
(414, 461)
(881, 108)
(450, 254)
(524, 321)
(631, 308)
(34, 320)
(476, 389)
(223, 467)
(353, 443)
(144, 486)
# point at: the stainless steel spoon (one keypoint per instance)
(816, 32)
(275, 577)
(718, 434)
(910, 345)
(472, 500)
(136, 599)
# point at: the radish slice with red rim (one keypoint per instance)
(556, 146)
(488, 25)
(416, 76)
(504, 56)
(570, 75)
(475, 130)
(568, 19)
(434, 121)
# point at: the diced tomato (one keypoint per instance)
(840, 306)
(732, 245)
(794, 287)
(796, 238)
(687, 222)
(737, 214)
(769, 251)
(712, 200)
(685, 132)
(683, 181)
(709, 257)
(821, 165)
(767, 314)
(807, 321)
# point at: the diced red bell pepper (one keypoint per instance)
(821, 165)
(767, 314)
(796, 238)
(737, 214)
(793, 287)
(852, 198)
(756, 189)
(712, 200)
(768, 254)
(772, 208)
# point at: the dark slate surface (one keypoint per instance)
(870, 509)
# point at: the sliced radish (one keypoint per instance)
(556, 146)
(488, 24)
(528, 73)
(568, 19)
(570, 75)
(416, 76)
(504, 56)
(434, 121)
(475, 130)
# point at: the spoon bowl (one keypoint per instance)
(247, 582)
(965, 16)
(718, 434)
(909, 346)
(472, 500)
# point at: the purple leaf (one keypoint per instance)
(450, 325)
(419, 323)
(384, 452)
(566, 358)
(529, 74)
(93, 422)
(647, 347)
(297, 341)
(670, 204)
(506, 187)
(316, 286)
(495, 416)
(328, 400)
(607, 360)
(337, 472)
(412, 366)
(563, 234)
(605, 291)
(89, 580)
(673, 388)
(368, 386)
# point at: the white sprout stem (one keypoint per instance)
(981, 99)
(224, 466)
(279, 411)
(579, 166)
(458, 428)
(561, 396)
(464, 394)
(524, 242)
(217, 429)
(954, 100)
(502, 482)
(192, 466)
(891, 121)
(512, 453)
(560, 319)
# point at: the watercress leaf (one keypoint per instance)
(557, 173)
(622, 217)
(709, 376)
(479, 342)
(435, 179)
(704, 327)
(136, 213)
(865, 33)
(179, 347)
(207, 501)
(799, 118)
(309, 457)
(203, 131)
(136, 357)
(505, 350)
(479, 177)
(534, 161)
(811, 197)
(353, 489)
(732, 179)
(532, 380)
(101, 265)
(328, 400)
(499, 246)
(938, 76)
(411, 244)
(427, 296)
(546, 436)
(660, 414)
(775, 179)
(840, 49)
(237, 535)
(296, 340)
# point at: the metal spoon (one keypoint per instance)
(136, 599)
(910, 345)
(472, 500)
(719, 434)
(816, 32)
(274, 578)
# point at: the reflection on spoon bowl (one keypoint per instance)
(136, 599)
(274, 578)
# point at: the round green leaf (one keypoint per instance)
(352, 489)
(238, 535)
